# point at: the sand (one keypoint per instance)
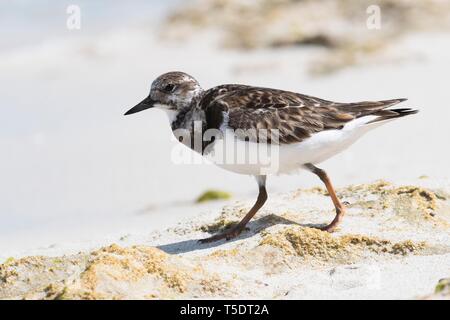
(81, 185)
(393, 244)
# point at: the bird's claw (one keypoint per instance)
(228, 235)
(328, 228)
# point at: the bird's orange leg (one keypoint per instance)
(236, 230)
(340, 208)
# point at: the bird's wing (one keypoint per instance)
(294, 116)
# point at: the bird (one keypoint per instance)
(302, 130)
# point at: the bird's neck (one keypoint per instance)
(190, 118)
(184, 117)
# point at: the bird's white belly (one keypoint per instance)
(260, 159)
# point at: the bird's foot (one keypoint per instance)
(329, 228)
(228, 235)
(334, 224)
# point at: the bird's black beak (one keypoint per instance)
(143, 105)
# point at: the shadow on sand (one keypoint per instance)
(253, 227)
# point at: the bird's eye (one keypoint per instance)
(169, 87)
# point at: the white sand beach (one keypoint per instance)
(77, 176)
(392, 245)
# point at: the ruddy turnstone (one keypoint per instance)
(305, 130)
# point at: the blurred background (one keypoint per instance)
(72, 167)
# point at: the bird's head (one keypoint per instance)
(171, 91)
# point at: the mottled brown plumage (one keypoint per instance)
(295, 116)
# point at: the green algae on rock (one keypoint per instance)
(443, 287)
(211, 195)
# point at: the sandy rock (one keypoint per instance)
(113, 272)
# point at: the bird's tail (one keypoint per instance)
(390, 114)
(377, 109)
